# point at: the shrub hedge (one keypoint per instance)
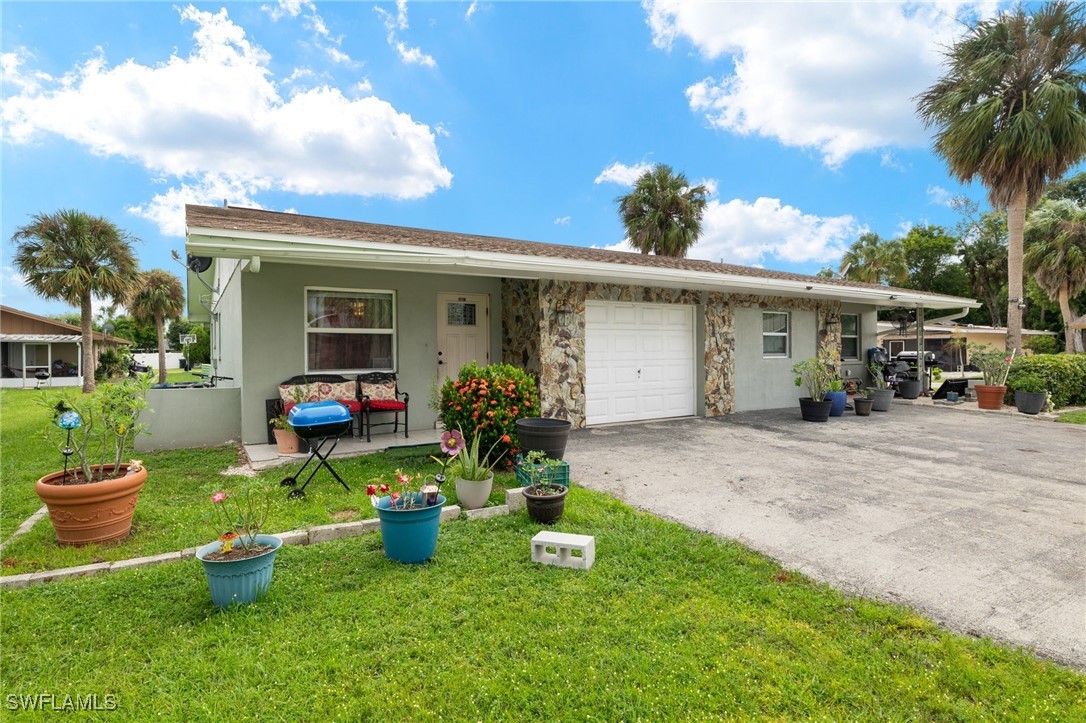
(488, 401)
(1063, 375)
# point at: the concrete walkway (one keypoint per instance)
(976, 519)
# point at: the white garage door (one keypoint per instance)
(639, 361)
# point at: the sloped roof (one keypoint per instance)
(1079, 323)
(60, 326)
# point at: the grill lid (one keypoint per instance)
(309, 415)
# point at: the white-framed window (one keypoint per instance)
(775, 334)
(350, 330)
(850, 337)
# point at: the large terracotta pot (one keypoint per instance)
(95, 512)
(990, 396)
(287, 442)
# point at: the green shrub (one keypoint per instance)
(1042, 344)
(112, 363)
(487, 402)
(1063, 376)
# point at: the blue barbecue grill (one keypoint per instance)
(320, 421)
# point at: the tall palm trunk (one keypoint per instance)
(160, 329)
(1072, 339)
(1016, 222)
(88, 343)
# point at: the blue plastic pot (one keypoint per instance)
(239, 582)
(839, 400)
(409, 535)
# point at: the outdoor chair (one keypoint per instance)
(379, 394)
(321, 388)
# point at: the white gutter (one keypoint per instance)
(282, 248)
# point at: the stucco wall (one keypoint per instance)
(227, 350)
(181, 418)
(273, 325)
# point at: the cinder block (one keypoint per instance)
(145, 561)
(371, 525)
(574, 551)
(294, 537)
(70, 573)
(338, 531)
(450, 512)
(16, 582)
(483, 512)
(514, 499)
(188, 553)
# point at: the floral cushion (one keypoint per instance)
(319, 392)
(379, 392)
(286, 393)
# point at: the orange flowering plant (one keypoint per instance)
(486, 402)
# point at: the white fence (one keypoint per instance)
(173, 359)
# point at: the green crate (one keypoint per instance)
(557, 475)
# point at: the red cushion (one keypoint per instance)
(383, 405)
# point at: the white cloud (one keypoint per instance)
(167, 210)
(622, 174)
(471, 9)
(939, 196)
(363, 86)
(396, 23)
(710, 186)
(215, 119)
(284, 8)
(312, 20)
(829, 76)
(414, 55)
(889, 160)
(562, 221)
(747, 233)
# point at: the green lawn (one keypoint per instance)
(1078, 417)
(668, 624)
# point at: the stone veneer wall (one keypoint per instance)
(555, 352)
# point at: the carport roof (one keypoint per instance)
(268, 236)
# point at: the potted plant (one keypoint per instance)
(286, 441)
(543, 434)
(994, 365)
(544, 497)
(882, 396)
(863, 405)
(816, 376)
(1030, 395)
(240, 563)
(908, 388)
(93, 502)
(474, 474)
(410, 518)
(838, 397)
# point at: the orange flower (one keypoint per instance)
(506, 438)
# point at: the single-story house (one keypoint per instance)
(30, 344)
(612, 336)
(938, 339)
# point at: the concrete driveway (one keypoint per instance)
(976, 519)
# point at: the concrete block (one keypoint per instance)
(451, 512)
(338, 531)
(483, 512)
(574, 551)
(189, 552)
(294, 537)
(371, 525)
(15, 582)
(70, 573)
(145, 561)
(514, 499)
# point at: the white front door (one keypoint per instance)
(639, 361)
(463, 332)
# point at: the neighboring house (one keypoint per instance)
(937, 335)
(31, 344)
(612, 336)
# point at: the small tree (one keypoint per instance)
(662, 214)
(159, 296)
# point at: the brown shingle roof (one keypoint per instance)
(272, 222)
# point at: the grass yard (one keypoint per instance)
(668, 624)
(1077, 417)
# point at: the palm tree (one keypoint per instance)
(159, 296)
(1056, 256)
(1011, 111)
(662, 213)
(71, 256)
(872, 260)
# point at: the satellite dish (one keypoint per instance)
(199, 264)
(108, 328)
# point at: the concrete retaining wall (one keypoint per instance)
(190, 418)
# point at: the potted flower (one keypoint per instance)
(1030, 394)
(835, 392)
(286, 441)
(474, 474)
(93, 501)
(995, 366)
(863, 405)
(816, 375)
(410, 515)
(544, 496)
(882, 396)
(239, 564)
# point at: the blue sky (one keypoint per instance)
(522, 120)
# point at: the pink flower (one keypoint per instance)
(383, 488)
(218, 497)
(452, 442)
(403, 479)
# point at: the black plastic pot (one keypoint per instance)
(909, 389)
(863, 406)
(545, 435)
(813, 411)
(1030, 402)
(545, 509)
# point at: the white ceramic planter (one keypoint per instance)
(473, 494)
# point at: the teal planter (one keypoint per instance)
(239, 582)
(839, 399)
(409, 535)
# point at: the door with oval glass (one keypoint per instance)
(463, 332)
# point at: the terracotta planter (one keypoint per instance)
(287, 441)
(95, 512)
(990, 396)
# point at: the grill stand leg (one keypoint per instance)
(300, 492)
